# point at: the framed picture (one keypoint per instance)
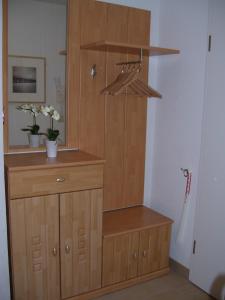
(26, 79)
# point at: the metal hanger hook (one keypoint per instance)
(185, 172)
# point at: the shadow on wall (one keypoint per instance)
(218, 287)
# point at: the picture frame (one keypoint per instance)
(26, 79)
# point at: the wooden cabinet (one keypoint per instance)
(35, 247)
(56, 239)
(62, 245)
(131, 251)
(135, 254)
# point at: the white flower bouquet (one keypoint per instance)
(34, 110)
(49, 111)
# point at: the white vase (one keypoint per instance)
(34, 140)
(51, 147)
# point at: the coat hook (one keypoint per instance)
(185, 172)
(93, 71)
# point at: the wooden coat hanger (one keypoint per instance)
(127, 82)
(124, 78)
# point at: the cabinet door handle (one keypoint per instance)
(60, 179)
(135, 255)
(67, 249)
(54, 251)
(144, 253)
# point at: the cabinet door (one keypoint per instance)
(154, 249)
(120, 258)
(34, 226)
(81, 241)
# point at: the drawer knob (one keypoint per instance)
(144, 253)
(54, 251)
(60, 179)
(67, 249)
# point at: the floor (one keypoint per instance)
(170, 287)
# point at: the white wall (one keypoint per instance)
(4, 272)
(183, 24)
(38, 29)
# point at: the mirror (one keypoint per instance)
(37, 31)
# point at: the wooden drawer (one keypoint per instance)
(56, 180)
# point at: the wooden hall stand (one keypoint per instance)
(78, 227)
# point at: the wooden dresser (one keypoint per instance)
(55, 224)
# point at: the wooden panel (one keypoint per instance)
(81, 229)
(74, 232)
(154, 249)
(133, 252)
(107, 262)
(164, 241)
(36, 248)
(115, 259)
(131, 219)
(96, 239)
(35, 267)
(136, 113)
(66, 240)
(81, 242)
(43, 182)
(120, 258)
(114, 154)
(52, 246)
(114, 118)
(18, 249)
(92, 104)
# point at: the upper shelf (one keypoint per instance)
(126, 47)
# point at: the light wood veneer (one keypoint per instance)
(131, 219)
(51, 181)
(55, 240)
(129, 48)
(31, 161)
(135, 243)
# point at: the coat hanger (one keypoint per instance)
(127, 82)
(125, 77)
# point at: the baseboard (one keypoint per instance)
(179, 268)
